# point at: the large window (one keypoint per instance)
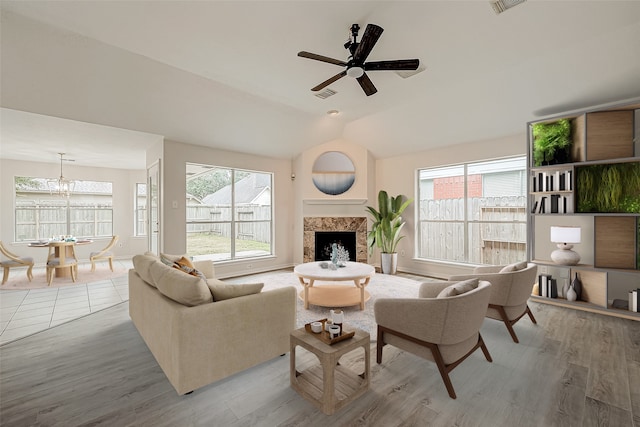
(473, 213)
(40, 215)
(229, 213)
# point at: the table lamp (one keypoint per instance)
(565, 237)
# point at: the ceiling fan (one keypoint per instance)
(356, 66)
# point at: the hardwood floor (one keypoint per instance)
(572, 369)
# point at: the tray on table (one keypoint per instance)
(324, 335)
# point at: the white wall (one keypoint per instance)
(123, 205)
(397, 175)
(174, 234)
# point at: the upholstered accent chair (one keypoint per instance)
(14, 261)
(440, 325)
(511, 287)
(104, 254)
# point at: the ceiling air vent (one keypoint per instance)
(326, 93)
(500, 6)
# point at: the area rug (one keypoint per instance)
(380, 286)
(18, 277)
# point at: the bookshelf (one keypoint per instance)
(583, 189)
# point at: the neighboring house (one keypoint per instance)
(254, 189)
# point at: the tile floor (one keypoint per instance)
(25, 312)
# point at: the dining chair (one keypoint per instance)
(62, 255)
(13, 262)
(103, 254)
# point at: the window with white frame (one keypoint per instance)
(88, 212)
(229, 213)
(140, 213)
(473, 212)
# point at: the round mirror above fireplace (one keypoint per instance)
(333, 173)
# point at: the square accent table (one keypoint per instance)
(329, 386)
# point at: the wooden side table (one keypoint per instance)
(329, 386)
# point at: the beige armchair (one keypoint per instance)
(443, 329)
(103, 254)
(14, 261)
(510, 291)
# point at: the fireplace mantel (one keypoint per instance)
(334, 201)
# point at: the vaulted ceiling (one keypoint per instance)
(226, 74)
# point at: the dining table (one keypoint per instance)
(63, 249)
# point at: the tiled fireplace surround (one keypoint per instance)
(357, 224)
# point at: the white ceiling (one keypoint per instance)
(226, 74)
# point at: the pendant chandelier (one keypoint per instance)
(62, 187)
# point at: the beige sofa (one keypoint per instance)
(198, 341)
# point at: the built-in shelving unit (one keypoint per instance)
(583, 190)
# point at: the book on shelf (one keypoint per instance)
(547, 286)
(552, 181)
(542, 208)
(555, 198)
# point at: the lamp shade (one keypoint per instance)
(565, 234)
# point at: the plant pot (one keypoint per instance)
(389, 263)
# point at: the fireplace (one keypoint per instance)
(355, 226)
(324, 240)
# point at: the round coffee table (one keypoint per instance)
(334, 295)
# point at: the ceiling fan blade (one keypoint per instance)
(329, 81)
(370, 37)
(400, 64)
(367, 85)
(321, 58)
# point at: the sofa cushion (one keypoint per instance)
(222, 291)
(458, 288)
(517, 266)
(183, 288)
(142, 264)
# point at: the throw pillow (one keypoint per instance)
(222, 291)
(517, 266)
(183, 288)
(184, 261)
(169, 259)
(189, 270)
(459, 288)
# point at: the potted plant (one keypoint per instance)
(386, 228)
(552, 142)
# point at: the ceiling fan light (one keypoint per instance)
(355, 72)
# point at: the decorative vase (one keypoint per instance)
(389, 263)
(565, 288)
(571, 294)
(577, 287)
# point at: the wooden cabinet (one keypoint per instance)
(597, 189)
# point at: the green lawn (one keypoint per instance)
(204, 244)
